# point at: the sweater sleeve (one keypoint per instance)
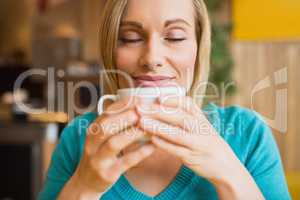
(263, 160)
(65, 158)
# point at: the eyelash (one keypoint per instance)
(176, 39)
(124, 40)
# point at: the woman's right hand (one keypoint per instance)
(101, 165)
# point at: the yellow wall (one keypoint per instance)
(266, 19)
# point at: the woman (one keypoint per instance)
(214, 153)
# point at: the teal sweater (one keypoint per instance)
(244, 130)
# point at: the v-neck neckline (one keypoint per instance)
(181, 181)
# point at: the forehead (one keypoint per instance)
(156, 11)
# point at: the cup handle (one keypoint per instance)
(101, 102)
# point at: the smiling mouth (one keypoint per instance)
(153, 81)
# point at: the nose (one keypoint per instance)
(153, 54)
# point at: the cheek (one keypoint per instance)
(185, 61)
(126, 59)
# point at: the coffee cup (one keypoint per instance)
(147, 94)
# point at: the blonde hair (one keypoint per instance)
(109, 30)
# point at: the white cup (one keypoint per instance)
(148, 94)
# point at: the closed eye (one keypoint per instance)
(175, 39)
(125, 40)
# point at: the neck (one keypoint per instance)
(155, 173)
(159, 163)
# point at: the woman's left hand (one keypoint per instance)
(178, 126)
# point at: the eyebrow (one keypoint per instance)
(173, 21)
(167, 23)
(132, 23)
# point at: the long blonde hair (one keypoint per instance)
(109, 30)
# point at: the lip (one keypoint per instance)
(152, 78)
(153, 81)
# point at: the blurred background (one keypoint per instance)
(53, 46)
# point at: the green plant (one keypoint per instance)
(221, 58)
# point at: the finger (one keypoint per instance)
(106, 126)
(173, 134)
(131, 159)
(122, 105)
(94, 137)
(184, 102)
(170, 115)
(113, 124)
(171, 148)
(127, 103)
(114, 145)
